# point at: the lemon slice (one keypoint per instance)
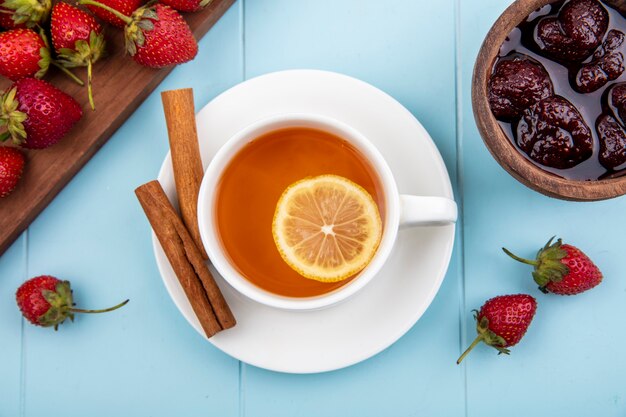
(326, 228)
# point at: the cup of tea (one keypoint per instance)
(268, 183)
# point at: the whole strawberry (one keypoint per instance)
(188, 6)
(37, 114)
(23, 53)
(125, 7)
(24, 13)
(156, 36)
(77, 39)
(502, 322)
(562, 269)
(47, 301)
(11, 167)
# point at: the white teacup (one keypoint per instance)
(401, 210)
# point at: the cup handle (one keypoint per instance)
(426, 211)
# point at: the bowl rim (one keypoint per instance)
(496, 141)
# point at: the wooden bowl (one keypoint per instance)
(500, 146)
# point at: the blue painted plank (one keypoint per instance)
(12, 273)
(406, 48)
(143, 360)
(570, 362)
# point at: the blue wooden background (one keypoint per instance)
(145, 360)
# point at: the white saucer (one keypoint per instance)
(372, 320)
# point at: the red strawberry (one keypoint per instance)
(37, 114)
(165, 40)
(6, 19)
(47, 301)
(187, 5)
(502, 322)
(24, 13)
(562, 269)
(77, 39)
(156, 36)
(126, 7)
(11, 167)
(23, 53)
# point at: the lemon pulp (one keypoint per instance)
(326, 228)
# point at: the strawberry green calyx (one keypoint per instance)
(548, 265)
(84, 54)
(62, 306)
(60, 301)
(142, 20)
(487, 336)
(29, 12)
(44, 54)
(135, 24)
(11, 118)
(205, 3)
(46, 60)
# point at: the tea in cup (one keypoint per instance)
(300, 211)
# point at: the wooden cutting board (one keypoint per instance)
(119, 85)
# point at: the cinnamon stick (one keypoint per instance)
(186, 160)
(203, 293)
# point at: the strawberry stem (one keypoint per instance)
(117, 13)
(522, 260)
(68, 73)
(80, 310)
(89, 93)
(476, 341)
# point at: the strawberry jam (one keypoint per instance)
(558, 89)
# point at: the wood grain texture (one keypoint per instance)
(504, 152)
(180, 117)
(120, 85)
